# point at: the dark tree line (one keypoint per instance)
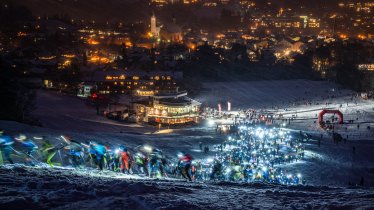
(17, 100)
(347, 57)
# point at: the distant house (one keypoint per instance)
(283, 46)
(172, 33)
(85, 90)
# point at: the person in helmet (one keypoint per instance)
(100, 151)
(125, 160)
(48, 151)
(6, 149)
(29, 147)
(110, 160)
(74, 151)
(216, 170)
(92, 154)
(141, 161)
(184, 163)
(157, 163)
(116, 165)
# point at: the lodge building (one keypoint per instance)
(138, 83)
(170, 109)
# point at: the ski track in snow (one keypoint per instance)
(24, 187)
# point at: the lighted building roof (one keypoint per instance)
(101, 76)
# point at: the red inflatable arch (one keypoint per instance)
(330, 111)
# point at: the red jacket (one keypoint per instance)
(186, 158)
(125, 156)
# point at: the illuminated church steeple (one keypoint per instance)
(155, 31)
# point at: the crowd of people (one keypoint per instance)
(68, 152)
(250, 154)
(142, 160)
(253, 153)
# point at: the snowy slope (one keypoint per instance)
(43, 188)
(64, 112)
(261, 94)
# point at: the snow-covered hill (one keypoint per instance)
(44, 188)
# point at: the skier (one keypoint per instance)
(48, 151)
(216, 170)
(92, 154)
(141, 162)
(196, 170)
(100, 151)
(109, 159)
(74, 152)
(28, 146)
(114, 160)
(125, 160)
(157, 163)
(234, 167)
(206, 149)
(6, 143)
(185, 164)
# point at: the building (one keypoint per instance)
(171, 32)
(155, 30)
(287, 22)
(139, 83)
(170, 109)
(295, 22)
(85, 90)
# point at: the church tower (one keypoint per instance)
(155, 31)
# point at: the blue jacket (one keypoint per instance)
(100, 149)
(6, 141)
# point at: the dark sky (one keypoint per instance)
(129, 10)
(99, 10)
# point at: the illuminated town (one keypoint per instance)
(181, 104)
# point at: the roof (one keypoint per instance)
(172, 28)
(180, 101)
(99, 76)
(173, 95)
(176, 101)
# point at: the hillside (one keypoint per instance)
(98, 10)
